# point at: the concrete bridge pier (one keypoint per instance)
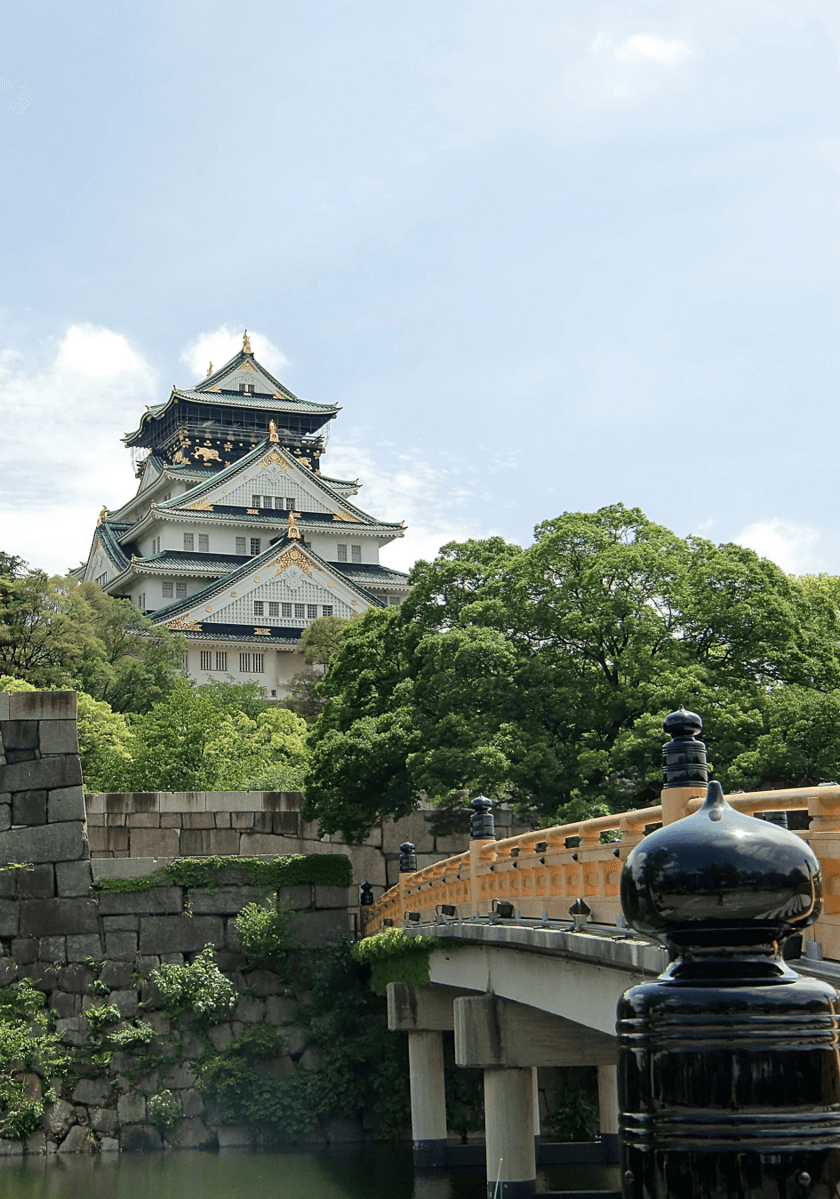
(508, 1040)
(425, 1013)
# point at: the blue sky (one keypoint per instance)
(545, 255)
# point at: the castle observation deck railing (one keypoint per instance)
(542, 873)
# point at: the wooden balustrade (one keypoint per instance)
(539, 873)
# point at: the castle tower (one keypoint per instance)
(234, 537)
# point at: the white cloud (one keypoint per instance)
(784, 542)
(644, 47)
(220, 346)
(431, 500)
(60, 454)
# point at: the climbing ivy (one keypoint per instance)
(395, 957)
(321, 869)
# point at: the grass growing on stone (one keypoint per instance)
(394, 957)
(320, 869)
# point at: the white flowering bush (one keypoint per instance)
(199, 987)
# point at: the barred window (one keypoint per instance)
(167, 590)
(356, 553)
(241, 546)
(258, 663)
(204, 543)
(189, 541)
(258, 607)
(300, 609)
(141, 602)
(287, 609)
(180, 591)
(245, 663)
(221, 660)
(255, 501)
(290, 501)
(205, 659)
(273, 608)
(342, 553)
(101, 580)
(312, 611)
(268, 501)
(255, 546)
(279, 502)
(327, 609)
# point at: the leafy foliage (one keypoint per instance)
(164, 1110)
(543, 675)
(573, 1114)
(28, 1048)
(199, 988)
(266, 931)
(395, 957)
(327, 869)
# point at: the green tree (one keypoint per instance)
(544, 674)
(318, 643)
(220, 737)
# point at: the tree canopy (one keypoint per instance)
(543, 674)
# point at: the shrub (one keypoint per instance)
(266, 931)
(164, 1110)
(199, 987)
(27, 1044)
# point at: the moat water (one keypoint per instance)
(371, 1173)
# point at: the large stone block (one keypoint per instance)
(224, 900)
(155, 843)
(117, 975)
(43, 774)
(59, 1117)
(121, 946)
(103, 1120)
(181, 801)
(58, 737)
(73, 878)
(140, 1138)
(336, 897)
(157, 901)
(131, 1109)
(321, 928)
(66, 803)
(4, 706)
(127, 867)
(179, 934)
(255, 845)
(45, 843)
(287, 824)
(52, 949)
(265, 982)
(234, 801)
(42, 705)
(96, 1091)
(87, 946)
(73, 1031)
(193, 1134)
(204, 842)
(414, 828)
(29, 807)
(143, 819)
(5, 817)
(198, 820)
(51, 917)
(245, 821)
(19, 734)
(36, 882)
(9, 918)
(121, 924)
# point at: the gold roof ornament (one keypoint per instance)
(101, 516)
(272, 431)
(293, 532)
(246, 343)
(209, 370)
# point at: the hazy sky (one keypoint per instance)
(546, 255)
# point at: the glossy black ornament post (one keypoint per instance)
(729, 1076)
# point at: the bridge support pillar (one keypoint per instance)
(608, 1110)
(428, 1098)
(509, 1132)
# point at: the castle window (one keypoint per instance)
(189, 542)
(268, 501)
(245, 663)
(205, 659)
(287, 609)
(180, 591)
(258, 663)
(141, 602)
(167, 590)
(255, 501)
(279, 502)
(273, 609)
(221, 660)
(290, 502)
(241, 546)
(300, 609)
(327, 610)
(356, 553)
(258, 607)
(246, 389)
(101, 580)
(204, 543)
(342, 553)
(255, 546)
(312, 611)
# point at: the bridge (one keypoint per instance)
(544, 956)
